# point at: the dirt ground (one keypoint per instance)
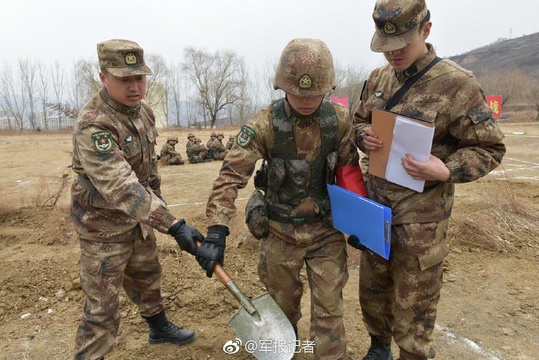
(490, 301)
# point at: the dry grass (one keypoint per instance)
(500, 221)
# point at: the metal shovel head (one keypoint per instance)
(267, 334)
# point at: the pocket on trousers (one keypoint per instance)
(435, 255)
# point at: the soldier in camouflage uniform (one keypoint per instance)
(399, 297)
(198, 152)
(116, 204)
(169, 156)
(217, 148)
(213, 136)
(230, 142)
(190, 143)
(307, 141)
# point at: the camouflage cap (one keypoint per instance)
(305, 68)
(122, 58)
(397, 23)
(172, 138)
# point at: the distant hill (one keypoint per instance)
(506, 54)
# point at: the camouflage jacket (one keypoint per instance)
(217, 145)
(239, 164)
(168, 151)
(466, 138)
(114, 158)
(188, 147)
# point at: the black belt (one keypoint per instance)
(275, 216)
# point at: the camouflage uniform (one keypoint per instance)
(213, 136)
(198, 152)
(169, 156)
(190, 143)
(230, 142)
(115, 206)
(399, 297)
(293, 242)
(217, 149)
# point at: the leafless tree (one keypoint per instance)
(43, 93)
(13, 104)
(215, 77)
(84, 83)
(175, 90)
(27, 73)
(349, 84)
(243, 105)
(57, 76)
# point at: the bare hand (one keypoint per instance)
(371, 141)
(433, 169)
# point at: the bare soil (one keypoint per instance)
(490, 301)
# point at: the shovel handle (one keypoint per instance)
(227, 281)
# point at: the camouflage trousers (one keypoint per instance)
(279, 269)
(399, 297)
(173, 160)
(198, 158)
(106, 267)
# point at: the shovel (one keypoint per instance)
(261, 322)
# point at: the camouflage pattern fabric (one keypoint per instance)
(105, 269)
(217, 149)
(469, 142)
(279, 269)
(122, 58)
(169, 156)
(311, 243)
(115, 205)
(230, 143)
(406, 311)
(125, 178)
(188, 147)
(198, 153)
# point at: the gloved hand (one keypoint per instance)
(354, 242)
(212, 250)
(186, 236)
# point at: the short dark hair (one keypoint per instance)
(425, 20)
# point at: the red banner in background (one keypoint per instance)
(341, 100)
(495, 104)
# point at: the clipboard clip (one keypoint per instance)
(387, 231)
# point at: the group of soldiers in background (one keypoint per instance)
(196, 151)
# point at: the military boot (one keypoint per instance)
(162, 330)
(379, 350)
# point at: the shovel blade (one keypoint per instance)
(268, 332)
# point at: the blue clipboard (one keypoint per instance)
(357, 215)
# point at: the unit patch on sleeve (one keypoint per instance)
(102, 141)
(245, 136)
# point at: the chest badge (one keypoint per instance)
(379, 94)
(102, 141)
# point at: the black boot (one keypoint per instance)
(162, 330)
(379, 350)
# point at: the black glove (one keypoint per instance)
(354, 242)
(186, 236)
(212, 250)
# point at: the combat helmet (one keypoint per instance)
(305, 68)
(190, 135)
(213, 134)
(197, 140)
(172, 138)
(220, 134)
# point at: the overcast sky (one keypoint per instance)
(68, 30)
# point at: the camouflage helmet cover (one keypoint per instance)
(172, 138)
(122, 58)
(190, 135)
(213, 134)
(397, 23)
(305, 68)
(220, 134)
(198, 140)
